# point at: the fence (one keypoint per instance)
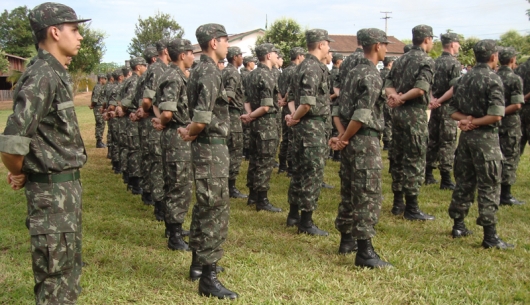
(6, 95)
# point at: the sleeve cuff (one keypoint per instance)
(126, 102)
(308, 100)
(423, 85)
(267, 102)
(451, 110)
(335, 111)
(15, 145)
(168, 106)
(362, 115)
(203, 117)
(231, 94)
(148, 93)
(517, 99)
(496, 110)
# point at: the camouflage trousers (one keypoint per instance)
(145, 126)
(110, 145)
(509, 140)
(409, 145)
(308, 164)
(246, 136)
(442, 139)
(156, 170)
(55, 226)
(360, 173)
(123, 143)
(100, 123)
(478, 165)
(115, 130)
(134, 154)
(286, 143)
(263, 144)
(178, 178)
(524, 114)
(211, 213)
(387, 132)
(235, 148)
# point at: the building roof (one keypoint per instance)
(348, 44)
(231, 37)
(14, 56)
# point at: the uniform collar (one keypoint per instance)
(207, 59)
(264, 66)
(179, 71)
(58, 68)
(505, 68)
(418, 48)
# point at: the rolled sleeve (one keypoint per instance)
(269, 101)
(423, 85)
(148, 93)
(202, 117)
(335, 111)
(451, 109)
(231, 94)
(308, 100)
(517, 99)
(362, 115)
(168, 106)
(496, 110)
(15, 145)
(388, 83)
(126, 102)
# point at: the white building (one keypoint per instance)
(245, 41)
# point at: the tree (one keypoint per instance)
(149, 31)
(4, 63)
(285, 34)
(15, 32)
(512, 38)
(106, 67)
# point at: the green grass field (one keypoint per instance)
(266, 263)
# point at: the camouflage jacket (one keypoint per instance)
(333, 74)
(446, 71)
(103, 96)
(285, 78)
(43, 126)
(361, 100)
(109, 87)
(513, 94)
(414, 69)
(171, 96)
(128, 91)
(262, 89)
(311, 87)
(384, 73)
(115, 93)
(154, 72)
(207, 100)
(524, 72)
(96, 94)
(478, 93)
(276, 72)
(138, 93)
(233, 86)
(347, 65)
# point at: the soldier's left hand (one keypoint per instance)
(133, 117)
(17, 182)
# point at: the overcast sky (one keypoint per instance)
(482, 19)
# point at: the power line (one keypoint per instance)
(386, 20)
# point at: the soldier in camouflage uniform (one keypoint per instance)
(337, 60)
(408, 89)
(261, 107)
(387, 132)
(360, 113)
(442, 129)
(172, 100)
(311, 97)
(95, 105)
(234, 90)
(249, 62)
(122, 122)
(478, 106)
(209, 128)
(347, 65)
(105, 105)
(407, 48)
(112, 98)
(524, 72)
(297, 55)
(510, 129)
(129, 106)
(42, 149)
(155, 176)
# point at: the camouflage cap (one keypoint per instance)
(137, 61)
(449, 37)
(505, 54)
(264, 49)
(161, 45)
(207, 32)
(116, 73)
(248, 59)
(109, 75)
(149, 53)
(102, 76)
(316, 35)
(368, 37)
(296, 51)
(125, 70)
(407, 48)
(179, 45)
(50, 13)
(422, 31)
(233, 51)
(485, 48)
(388, 60)
(337, 56)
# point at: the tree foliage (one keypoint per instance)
(149, 31)
(16, 36)
(285, 34)
(4, 63)
(106, 67)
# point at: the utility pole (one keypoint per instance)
(386, 20)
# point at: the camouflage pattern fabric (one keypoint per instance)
(208, 105)
(129, 102)
(309, 135)
(44, 117)
(277, 73)
(478, 155)
(387, 132)
(113, 99)
(347, 65)
(510, 129)
(415, 69)
(110, 145)
(97, 92)
(171, 96)
(144, 127)
(442, 128)
(283, 85)
(246, 127)
(234, 90)
(262, 91)
(524, 72)
(361, 164)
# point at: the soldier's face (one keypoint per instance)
(69, 39)
(221, 47)
(324, 46)
(429, 44)
(188, 59)
(142, 69)
(251, 65)
(381, 51)
(239, 60)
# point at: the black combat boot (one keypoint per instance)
(263, 203)
(307, 226)
(412, 210)
(159, 211)
(506, 196)
(446, 183)
(459, 229)
(234, 192)
(252, 197)
(491, 240)
(117, 167)
(175, 241)
(100, 144)
(196, 268)
(366, 256)
(293, 218)
(347, 243)
(109, 153)
(399, 204)
(386, 145)
(135, 185)
(146, 198)
(210, 286)
(336, 156)
(283, 165)
(289, 168)
(246, 154)
(429, 178)
(125, 177)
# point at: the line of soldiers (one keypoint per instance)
(170, 124)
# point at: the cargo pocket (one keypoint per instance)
(492, 166)
(368, 174)
(60, 252)
(65, 111)
(201, 171)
